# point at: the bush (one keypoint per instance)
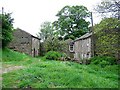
(52, 55)
(103, 60)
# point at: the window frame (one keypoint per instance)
(71, 47)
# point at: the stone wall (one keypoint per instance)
(25, 43)
(21, 42)
(35, 46)
(82, 48)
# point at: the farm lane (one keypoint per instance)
(11, 68)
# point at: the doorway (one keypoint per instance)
(34, 52)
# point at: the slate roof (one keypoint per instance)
(28, 33)
(84, 36)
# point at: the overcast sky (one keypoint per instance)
(30, 14)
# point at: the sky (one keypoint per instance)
(30, 14)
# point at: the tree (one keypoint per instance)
(7, 28)
(109, 7)
(49, 37)
(51, 42)
(46, 31)
(107, 37)
(71, 21)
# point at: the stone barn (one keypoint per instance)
(81, 47)
(25, 42)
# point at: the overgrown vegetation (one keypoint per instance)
(51, 40)
(55, 45)
(103, 60)
(7, 29)
(10, 55)
(52, 55)
(39, 73)
(47, 72)
(107, 38)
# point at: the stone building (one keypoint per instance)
(25, 42)
(81, 47)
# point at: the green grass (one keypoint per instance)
(40, 73)
(10, 55)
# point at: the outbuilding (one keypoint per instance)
(81, 47)
(25, 42)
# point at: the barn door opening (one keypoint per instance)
(34, 52)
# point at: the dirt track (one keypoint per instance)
(11, 68)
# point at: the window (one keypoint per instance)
(71, 47)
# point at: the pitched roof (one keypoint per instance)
(84, 36)
(28, 33)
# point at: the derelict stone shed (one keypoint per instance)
(81, 47)
(25, 42)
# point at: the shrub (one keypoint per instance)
(52, 55)
(103, 60)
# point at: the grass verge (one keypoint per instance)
(41, 73)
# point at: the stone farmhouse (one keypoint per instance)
(25, 42)
(81, 47)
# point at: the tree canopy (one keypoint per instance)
(7, 28)
(46, 31)
(109, 7)
(107, 37)
(71, 21)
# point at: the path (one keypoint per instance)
(11, 68)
